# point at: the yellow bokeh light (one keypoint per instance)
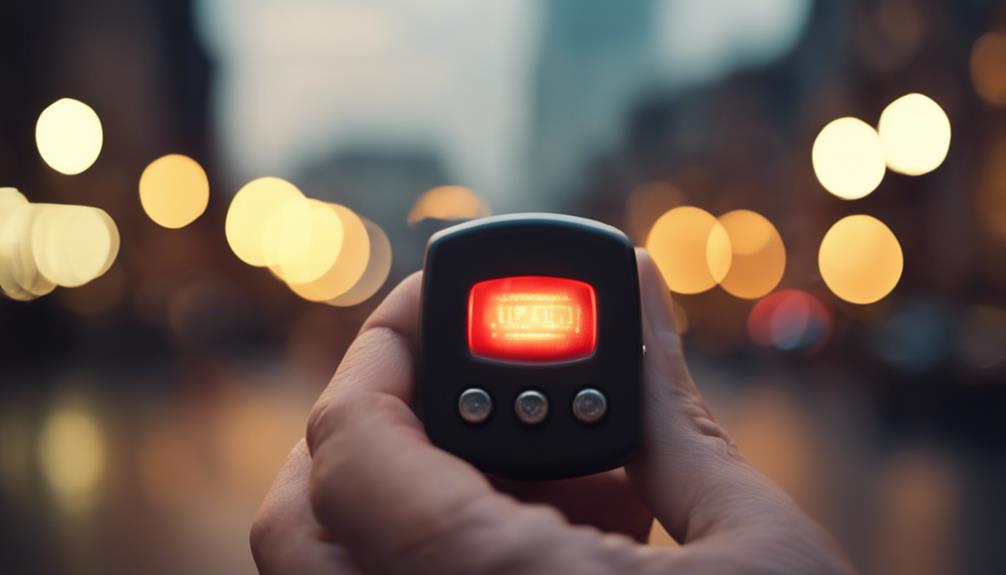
(174, 191)
(378, 268)
(72, 454)
(249, 214)
(690, 248)
(848, 158)
(448, 203)
(758, 256)
(915, 132)
(69, 137)
(45, 245)
(287, 232)
(12, 231)
(860, 259)
(73, 245)
(20, 278)
(349, 266)
(988, 68)
(10, 198)
(322, 248)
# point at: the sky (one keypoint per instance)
(301, 80)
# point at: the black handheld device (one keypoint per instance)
(531, 345)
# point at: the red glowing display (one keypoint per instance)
(532, 319)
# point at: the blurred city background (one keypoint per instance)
(152, 382)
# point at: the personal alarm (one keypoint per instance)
(531, 345)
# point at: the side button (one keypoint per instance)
(475, 405)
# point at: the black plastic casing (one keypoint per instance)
(561, 446)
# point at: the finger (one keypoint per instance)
(377, 484)
(285, 537)
(607, 501)
(688, 471)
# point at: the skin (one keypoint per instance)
(366, 492)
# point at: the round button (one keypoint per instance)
(590, 405)
(475, 405)
(531, 407)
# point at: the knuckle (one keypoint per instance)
(321, 496)
(329, 418)
(319, 424)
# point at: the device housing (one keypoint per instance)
(561, 446)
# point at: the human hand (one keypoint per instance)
(366, 492)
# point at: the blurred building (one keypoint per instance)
(595, 58)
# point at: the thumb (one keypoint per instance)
(688, 471)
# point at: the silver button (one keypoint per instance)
(590, 405)
(531, 407)
(475, 405)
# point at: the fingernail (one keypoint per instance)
(656, 297)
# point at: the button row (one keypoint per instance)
(531, 407)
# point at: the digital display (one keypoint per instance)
(532, 319)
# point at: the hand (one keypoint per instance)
(368, 493)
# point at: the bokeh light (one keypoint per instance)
(349, 266)
(19, 275)
(789, 320)
(69, 136)
(916, 134)
(72, 454)
(758, 256)
(45, 245)
(376, 273)
(448, 203)
(249, 214)
(10, 242)
(324, 236)
(860, 259)
(174, 190)
(988, 68)
(691, 249)
(10, 198)
(848, 158)
(73, 245)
